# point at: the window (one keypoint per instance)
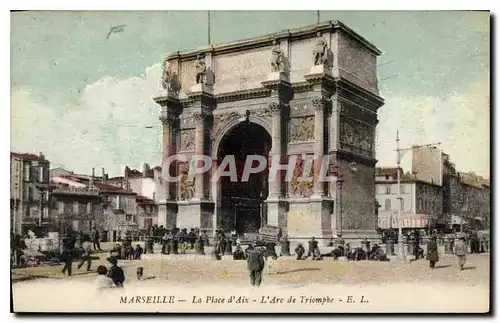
(386, 176)
(402, 189)
(40, 174)
(31, 194)
(89, 208)
(388, 189)
(387, 204)
(129, 217)
(27, 172)
(402, 203)
(60, 207)
(75, 207)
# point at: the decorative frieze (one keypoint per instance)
(187, 140)
(302, 129)
(186, 187)
(302, 188)
(357, 112)
(356, 137)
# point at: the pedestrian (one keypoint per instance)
(255, 265)
(461, 251)
(300, 251)
(86, 256)
(312, 245)
(140, 273)
(95, 239)
(68, 253)
(115, 272)
(102, 281)
(138, 252)
(432, 251)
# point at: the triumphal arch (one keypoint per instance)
(307, 92)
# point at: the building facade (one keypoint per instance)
(466, 201)
(75, 208)
(81, 202)
(422, 202)
(29, 192)
(309, 92)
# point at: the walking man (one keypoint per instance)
(68, 253)
(255, 263)
(432, 251)
(86, 256)
(461, 251)
(95, 239)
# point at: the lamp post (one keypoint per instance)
(340, 181)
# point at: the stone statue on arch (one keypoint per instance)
(204, 74)
(322, 55)
(279, 62)
(170, 80)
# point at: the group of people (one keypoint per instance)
(114, 277)
(341, 249)
(176, 241)
(460, 250)
(127, 251)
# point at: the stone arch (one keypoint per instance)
(230, 124)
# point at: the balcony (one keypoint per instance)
(76, 191)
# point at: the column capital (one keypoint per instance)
(202, 115)
(277, 106)
(169, 119)
(321, 103)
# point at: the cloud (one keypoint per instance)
(460, 121)
(89, 133)
(96, 131)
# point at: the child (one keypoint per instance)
(115, 272)
(140, 272)
(184, 247)
(102, 281)
(461, 251)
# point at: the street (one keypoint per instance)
(382, 283)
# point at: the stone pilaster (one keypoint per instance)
(320, 105)
(275, 184)
(281, 95)
(200, 125)
(320, 205)
(199, 211)
(169, 117)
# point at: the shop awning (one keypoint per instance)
(387, 221)
(457, 220)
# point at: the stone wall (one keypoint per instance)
(358, 194)
(356, 63)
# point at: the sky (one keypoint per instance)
(84, 100)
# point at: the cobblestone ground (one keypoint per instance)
(186, 270)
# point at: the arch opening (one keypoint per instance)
(241, 204)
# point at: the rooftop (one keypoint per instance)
(25, 156)
(284, 34)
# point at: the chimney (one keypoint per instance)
(91, 185)
(125, 177)
(42, 157)
(103, 179)
(145, 170)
